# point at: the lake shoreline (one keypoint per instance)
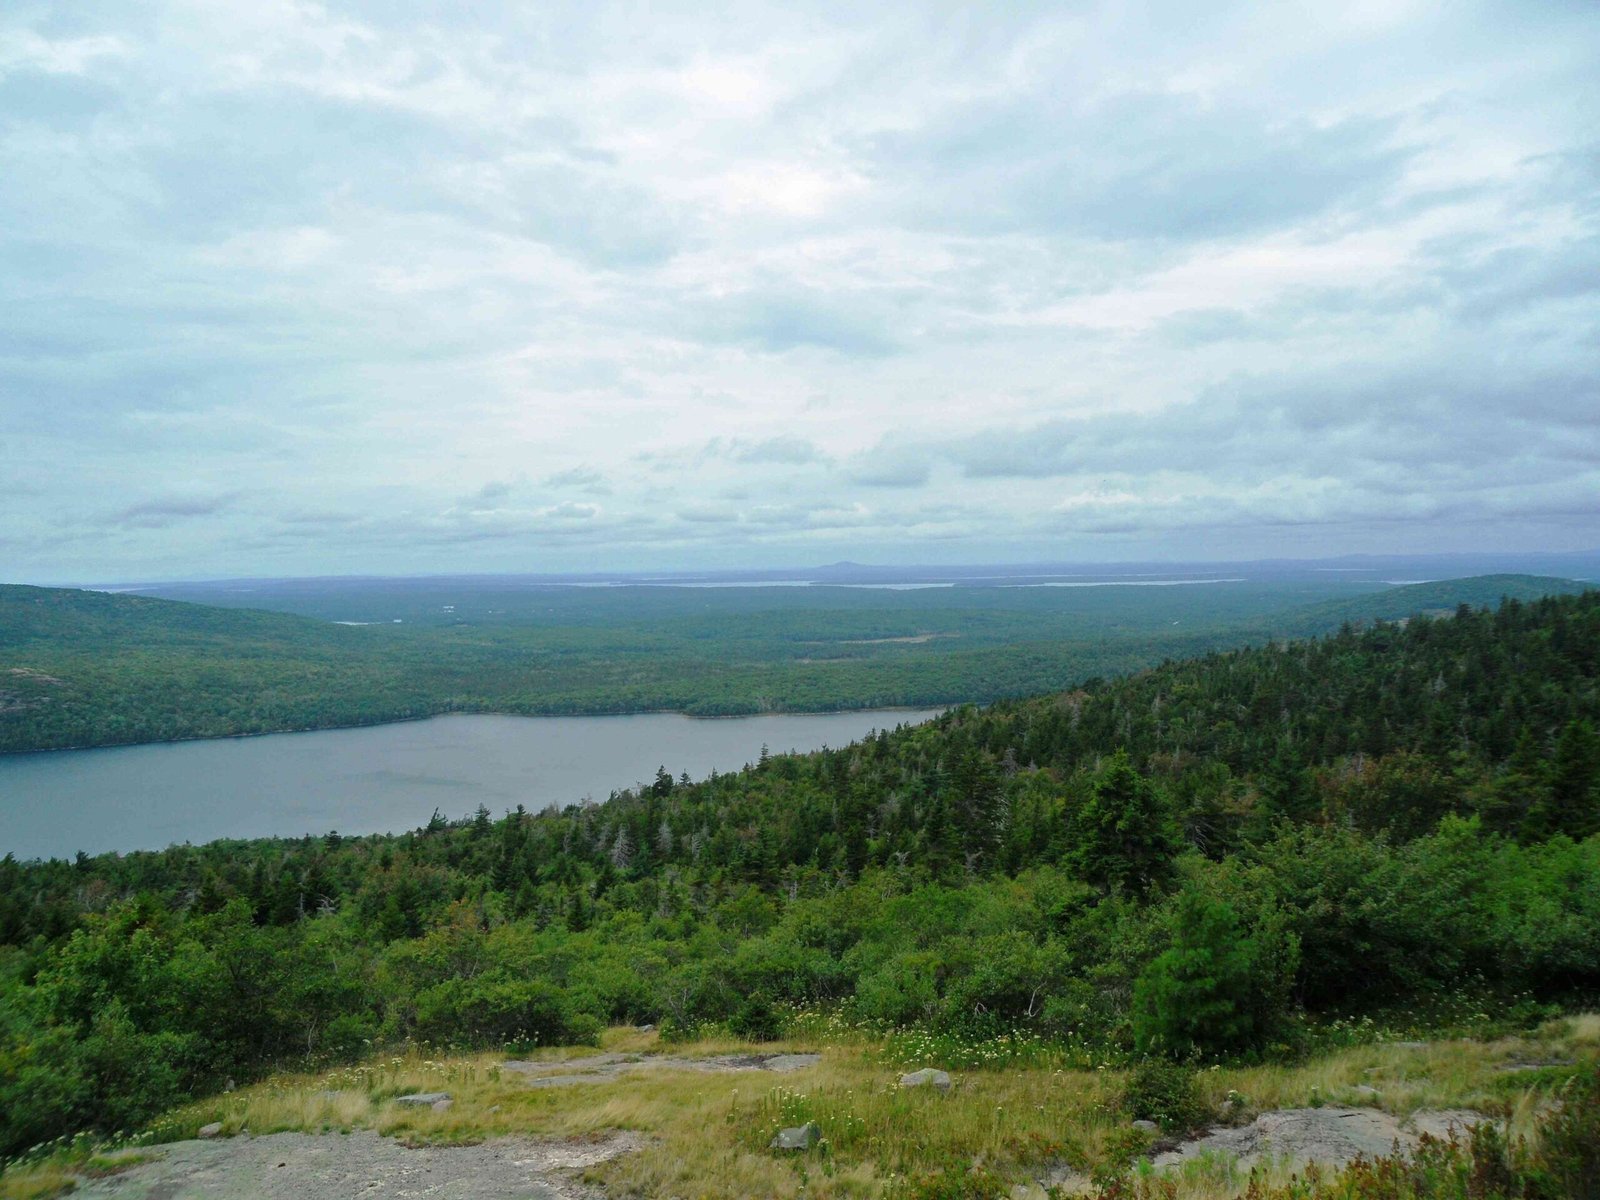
(941, 706)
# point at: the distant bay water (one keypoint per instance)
(383, 778)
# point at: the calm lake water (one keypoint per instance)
(383, 778)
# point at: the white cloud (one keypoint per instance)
(295, 288)
(23, 49)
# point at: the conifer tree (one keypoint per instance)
(1123, 837)
(1518, 796)
(1217, 990)
(975, 807)
(1574, 804)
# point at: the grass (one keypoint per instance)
(61, 1174)
(706, 1134)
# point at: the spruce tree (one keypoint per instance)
(1123, 837)
(975, 805)
(1574, 806)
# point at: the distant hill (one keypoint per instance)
(70, 618)
(1437, 597)
(87, 668)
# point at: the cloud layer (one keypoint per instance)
(287, 288)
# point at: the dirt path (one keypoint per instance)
(597, 1068)
(361, 1166)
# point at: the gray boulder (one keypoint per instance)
(422, 1099)
(801, 1138)
(212, 1130)
(939, 1079)
(1149, 1127)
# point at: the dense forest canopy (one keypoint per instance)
(81, 668)
(1206, 858)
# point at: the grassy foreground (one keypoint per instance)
(707, 1134)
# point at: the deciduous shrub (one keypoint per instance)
(755, 1019)
(511, 1011)
(1165, 1092)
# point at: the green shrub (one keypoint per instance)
(901, 991)
(1165, 1092)
(1568, 1160)
(346, 1036)
(956, 1182)
(506, 1011)
(755, 1019)
(674, 1032)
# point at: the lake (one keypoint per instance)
(382, 778)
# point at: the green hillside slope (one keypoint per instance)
(82, 668)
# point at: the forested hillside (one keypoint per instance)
(82, 668)
(1215, 857)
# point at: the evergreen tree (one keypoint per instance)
(1217, 990)
(1517, 798)
(975, 808)
(1574, 803)
(1123, 838)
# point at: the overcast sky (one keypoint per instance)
(288, 288)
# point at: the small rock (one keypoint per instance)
(939, 1079)
(441, 1105)
(422, 1099)
(1149, 1127)
(212, 1130)
(644, 1028)
(800, 1138)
